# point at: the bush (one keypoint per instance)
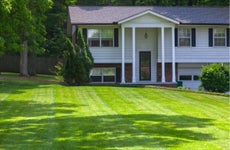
(215, 78)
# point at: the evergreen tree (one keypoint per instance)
(79, 61)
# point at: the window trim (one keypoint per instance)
(190, 37)
(214, 37)
(193, 77)
(100, 37)
(102, 75)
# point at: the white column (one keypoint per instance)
(163, 55)
(123, 56)
(173, 56)
(134, 56)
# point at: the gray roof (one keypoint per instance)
(114, 14)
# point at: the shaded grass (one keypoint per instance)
(39, 114)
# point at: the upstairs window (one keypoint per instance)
(184, 36)
(94, 38)
(100, 37)
(219, 37)
(106, 38)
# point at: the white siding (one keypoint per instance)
(202, 52)
(149, 44)
(190, 69)
(149, 21)
(106, 54)
(168, 45)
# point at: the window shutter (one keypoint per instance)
(118, 75)
(210, 37)
(116, 40)
(176, 37)
(193, 37)
(84, 33)
(228, 38)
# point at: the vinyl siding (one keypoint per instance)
(202, 52)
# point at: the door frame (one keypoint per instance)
(150, 67)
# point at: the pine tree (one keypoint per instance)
(79, 61)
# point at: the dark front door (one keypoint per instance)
(145, 66)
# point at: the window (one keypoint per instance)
(184, 36)
(100, 38)
(185, 77)
(102, 75)
(189, 77)
(219, 37)
(195, 77)
(94, 38)
(106, 38)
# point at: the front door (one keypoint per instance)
(145, 66)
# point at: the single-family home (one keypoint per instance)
(151, 44)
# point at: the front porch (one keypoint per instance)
(144, 49)
(150, 38)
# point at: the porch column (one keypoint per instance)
(134, 55)
(123, 56)
(163, 55)
(173, 56)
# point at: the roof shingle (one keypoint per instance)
(114, 14)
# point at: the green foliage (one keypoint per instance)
(215, 77)
(79, 61)
(154, 2)
(56, 28)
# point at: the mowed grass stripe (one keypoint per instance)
(130, 101)
(181, 102)
(51, 116)
(29, 114)
(107, 132)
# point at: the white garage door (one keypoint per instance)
(189, 75)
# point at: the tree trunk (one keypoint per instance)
(31, 64)
(24, 60)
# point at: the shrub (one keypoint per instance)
(215, 78)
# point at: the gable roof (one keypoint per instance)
(148, 12)
(115, 14)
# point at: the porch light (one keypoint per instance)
(146, 35)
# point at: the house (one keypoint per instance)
(152, 45)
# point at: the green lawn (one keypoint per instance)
(37, 113)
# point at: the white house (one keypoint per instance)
(152, 45)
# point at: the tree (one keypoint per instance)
(6, 32)
(56, 27)
(23, 29)
(215, 77)
(79, 61)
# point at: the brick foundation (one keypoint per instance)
(128, 69)
(128, 72)
(168, 72)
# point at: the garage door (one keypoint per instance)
(189, 75)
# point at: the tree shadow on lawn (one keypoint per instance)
(13, 87)
(61, 126)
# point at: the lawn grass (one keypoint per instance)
(38, 113)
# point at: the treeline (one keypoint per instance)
(153, 2)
